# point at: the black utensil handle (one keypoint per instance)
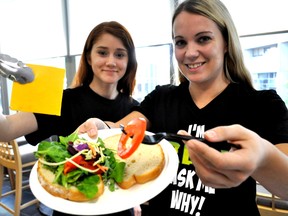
(181, 137)
(222, 145)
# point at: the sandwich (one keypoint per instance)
(145, 164)
(80, 170)
(76, 168)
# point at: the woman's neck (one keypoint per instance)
(202, 95)
(105, 90)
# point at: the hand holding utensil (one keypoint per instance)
(156, 138)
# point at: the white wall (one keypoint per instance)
(258, 16)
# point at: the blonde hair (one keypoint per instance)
(234, 67)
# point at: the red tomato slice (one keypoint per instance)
(136, 130)
(68, 166)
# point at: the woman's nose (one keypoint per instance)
(111, 62)
(192, 51)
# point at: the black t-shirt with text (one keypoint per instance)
(170, 108)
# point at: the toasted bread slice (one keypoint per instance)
(144, 165)
(46, 178)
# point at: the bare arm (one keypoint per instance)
(92, 125)
(17, 125)
(257, 158)
(273, 172)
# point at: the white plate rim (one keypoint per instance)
(133, 196)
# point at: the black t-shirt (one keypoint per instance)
(170, 108)
(79, 104)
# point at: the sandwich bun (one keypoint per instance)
(144, 165)
(46, 178)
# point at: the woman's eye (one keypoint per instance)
(102, 52)
(180, 43)
(204, 39)
(120, 55)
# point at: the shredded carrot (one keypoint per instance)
(93, 150)
(103, 168)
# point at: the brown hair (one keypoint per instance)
(85, 74)
(215, 10)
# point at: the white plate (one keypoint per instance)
(111, 202)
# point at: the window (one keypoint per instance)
(154, 68)
(266, 58)
(53, 42)
(264, 81)
(260, 51)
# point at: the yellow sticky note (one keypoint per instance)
(43, 95)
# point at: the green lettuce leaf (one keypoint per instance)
(55, 152)
(89, 186)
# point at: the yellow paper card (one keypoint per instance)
(43, 95)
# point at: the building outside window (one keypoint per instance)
(266, 58)
(264, 81)
(55, 43)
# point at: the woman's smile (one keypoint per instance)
(199, 47)
(194, 66)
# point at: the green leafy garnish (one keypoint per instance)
(86, 182)
(52, 151)
(89, 186)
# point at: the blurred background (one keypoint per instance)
(53, 33)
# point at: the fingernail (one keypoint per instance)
(181, 132)
(210, 133)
